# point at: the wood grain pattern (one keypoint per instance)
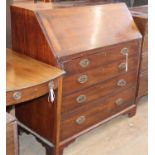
(93, 114)
(28, 76)
(24, 28)
(44, 117)
(91, 31)
(97, 91)
(97, 33)
(100, 57)
(97, 75)
(39, 116)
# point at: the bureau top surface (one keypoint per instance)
(140, 11)
(30, 5)
(76, 29)
(24, 72)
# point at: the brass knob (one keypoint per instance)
(119, 101)
(122, 66)
(80, 120)
(81, 98)
(84, 63)
(17, 95)
(124, 50)
(83, 79)
(121, 83)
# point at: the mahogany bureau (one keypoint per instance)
(140, 15)
(97, 46)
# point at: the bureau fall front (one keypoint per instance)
(99, 49)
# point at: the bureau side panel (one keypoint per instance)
(142, 24)
(27, 36)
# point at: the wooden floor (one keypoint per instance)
(121, 136)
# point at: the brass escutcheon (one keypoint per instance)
(119, 101)
(80, 120)
(17, 95)
(122, 66)
(81, 98)
(84, 63)
(124, 50)
(121, 83)
(83, 79)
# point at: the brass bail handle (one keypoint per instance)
(125, 52)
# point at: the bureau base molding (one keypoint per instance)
(130, 111)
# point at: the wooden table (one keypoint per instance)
(27, 80)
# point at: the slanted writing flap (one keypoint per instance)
(73, 30)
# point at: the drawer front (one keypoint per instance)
(85, 79)
(143, 84)
(23, 95)
(103, 56)
(92, 114)
(93, 93)
(144, 62)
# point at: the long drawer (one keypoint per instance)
(102, 56)
(92, 114)
(82, 80)
(88, 95)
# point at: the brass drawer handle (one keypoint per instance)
(84, 63)
(83, 79)
(124, 50)
(122, 66)
(121, 83)
(17, 95)
(119, 101)
(81, 98)
(80, 120)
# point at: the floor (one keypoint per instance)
(121, 136)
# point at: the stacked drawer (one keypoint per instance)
(98, 86)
